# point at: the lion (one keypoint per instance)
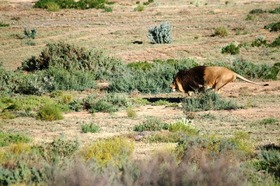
(201, 78)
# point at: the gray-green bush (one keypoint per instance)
(207, 101)
(160, 34)
(149, 78)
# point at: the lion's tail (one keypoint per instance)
(247, 80)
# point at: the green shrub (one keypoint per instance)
(273, 27)
(221, 31)
(232, 49)
(92, 128)
(155, 80)
(113, 151)
(160, 34)
(52, 6)
(151, 124)
(139, 8)
(131, 113)
(71, 58)
(269, 160)
(183, 126)
(9, 138)
(252, 70)
(4, 24)
(257, 11)
(68, 4)
(276, 42)
(207, 101)
(30, 34)
(269, 121)
(275, 11)
(58, 149)
(259, 41)
(238, 146)
(111, 102)
(49, 113)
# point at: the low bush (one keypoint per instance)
(131, 113)
(259, 41)
(49, 113)
(273, 27)
(275, 11)
(160, 34)
(113, 151)
(275, 43)
(30, 33)
(221, 31)
(182, 126)
(149, 78)
(59, 149)
(207, 101)
(68, 4)
(238, 146)
(4, 24)
(10, 138)
(111, 102)
(92, 128)
(71, 58)
(269, 121)
(151, 124)
(269, 160)
(232, 49)
(257, 11)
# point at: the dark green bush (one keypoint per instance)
(30, 33)
(207, 101)
(273, 27)
(231, 49)
(160, 34)
(4, 24)
(275, 11)
(276, 42)
(257, 11)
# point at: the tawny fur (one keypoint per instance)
(201, 78)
